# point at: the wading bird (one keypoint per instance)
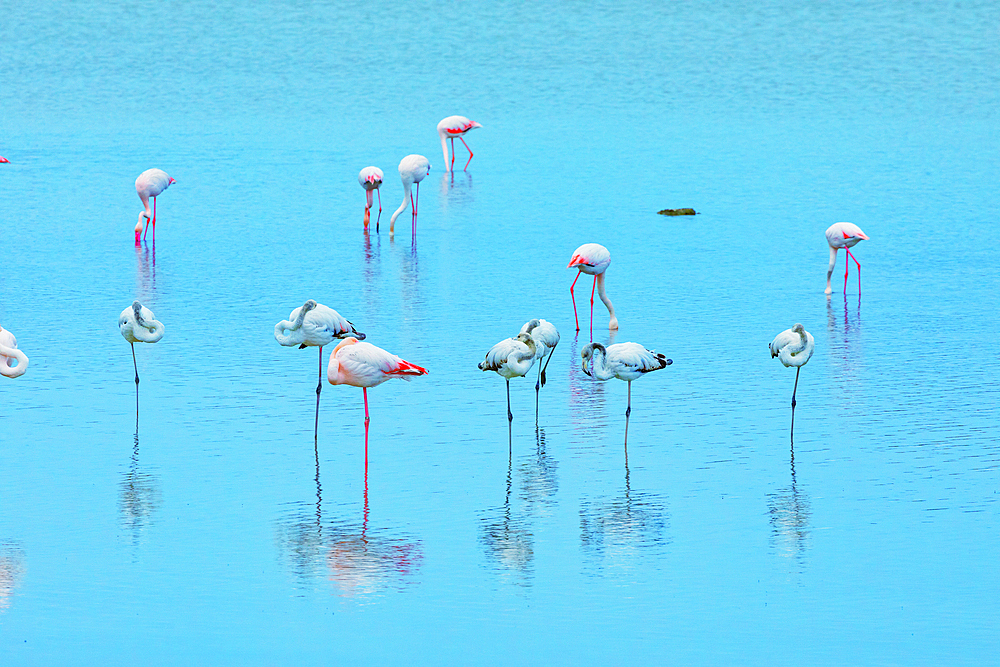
(412, 169)
(592, 259)
(370, 179)
(843, 235)
(510, 358)
(546, 337)
(625, 361)
(13, 362)
(137, 324)
(793, 347)
(314, 325)
(454, 127)
(3, 160)
(150, 184)
(364, 365)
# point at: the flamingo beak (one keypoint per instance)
(862, 235)
(172, 181)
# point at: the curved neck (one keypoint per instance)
(286, 325)
(12, 353)
(606, 300)
(833, 262)
(601, 370)
(444, 149)
(402, 207)
(147, 331)
(145, 206)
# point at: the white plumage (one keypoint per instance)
(793, 347)
(844, 235)
(625, 361)
(450, 128)
(313, 324)
(546, 337)
(592, 259)
(150, 183)
(13, 362)
(511, 357)
(412, 169)
(365, 365)
(370, 179)
(137, 324)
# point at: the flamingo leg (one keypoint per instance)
(319, 388)
(847, 266)
(135, 366)
(154, 218)
(365, 391)
(510, 415)
(416, 203)
(592, 309)
(379, 209)
(628, 411)
(859, 272)
(467, 148)
(574, 300)
(538, 385)
(794, 389)
(452, 154)
(547, 360)
(366, 472)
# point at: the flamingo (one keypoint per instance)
(450, 128)
(794, 347)
(137, 324)
(625, 361)
(3, 160)
(370, 179)
(412, 169)
(546, 337)
(364, 365)
(592, 259)
(843, 235)
(510, 358)
(9, 354)
(313, 324)
(150, 184)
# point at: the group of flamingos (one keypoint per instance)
(360, 364)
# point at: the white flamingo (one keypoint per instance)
(365, 365)
(412, 169)
(370, 179)
(314, 325)
(510, 358)
(454, 127)
(592, 259)
(546, 337)
(793, 347)
(843, 235)
(625, 361)
(137, 324)
(150, 184)
(13, 362)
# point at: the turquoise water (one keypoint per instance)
(216, 532)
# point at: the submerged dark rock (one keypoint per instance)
(678, 211)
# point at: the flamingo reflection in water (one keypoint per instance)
(139, 496)
(11, 572)
(507, 539)
(789, 511)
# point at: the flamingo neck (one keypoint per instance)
(402, 207)
(8, 353)
(613, 324)
(444, 149)
(601, 370)
(829, 271)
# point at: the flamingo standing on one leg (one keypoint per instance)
(314, 325)
(592, 259)
(625, 361)
(454, 127)
(370, 179)
(793, 347)
(546, 338)
(843, 235)
(364, 365)
(137, 324)
(412, 169)
(511, 358)
(13, 362)
(150, 184)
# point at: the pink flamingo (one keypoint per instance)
(3, 160)
(454, 127)
(370, 179)
(150, 184)
(364, 365)
(592, 259)
(412, 169)
(843, 235)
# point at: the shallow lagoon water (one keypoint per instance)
(216, 532)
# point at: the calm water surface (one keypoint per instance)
(212, 530)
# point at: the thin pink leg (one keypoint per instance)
(154, 218)
(592, 310)
(574, 300)
(365, 391)
(847, 266)
(379, 210)
(416, 203)
(453, 153)
(859, 272)
(467, 147)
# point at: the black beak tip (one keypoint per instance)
(669, 361)
(359, 335)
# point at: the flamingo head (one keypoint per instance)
(577, 260)
(531, 325)
(309, 305)
(799, 329)
(171, 182)
(474, 125)
(3, 160)
(138, 225)
(587, 352)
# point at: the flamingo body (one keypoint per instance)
(313, 324)
(365, 365)
(13, 362)
(454, 127)
(625, 361)
(511, 357)
(592, 259)
(150, 183)
(844, 235)
(370, 179)
(412, 169)
(793, 347)
(137, 324)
